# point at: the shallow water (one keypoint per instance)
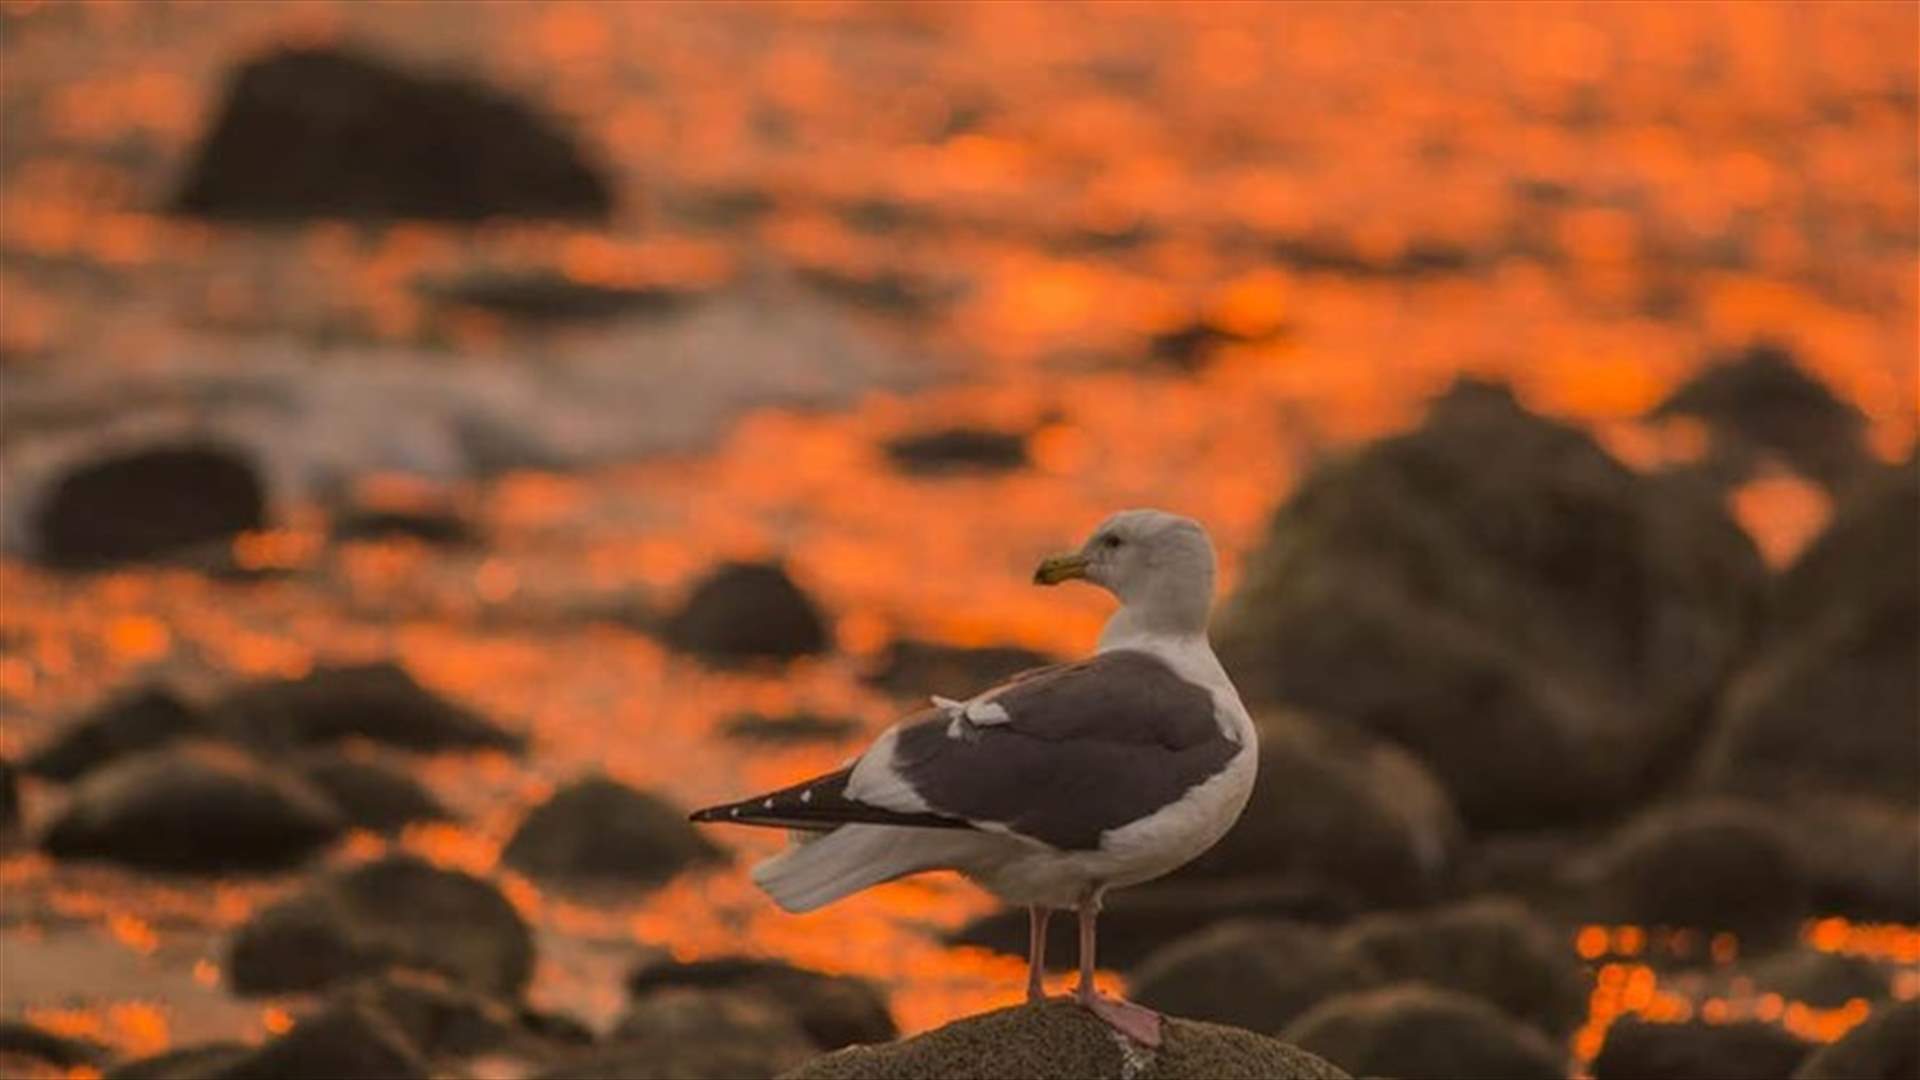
(1590, 202)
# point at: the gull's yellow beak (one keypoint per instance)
(1061, 568)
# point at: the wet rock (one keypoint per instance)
(748, 611)
(370, 796)
(195, 1062)
(195, 808)
(443, 527)
(958, 450)
(316, 132)
(144, 718)
(148, 503)
(31, 1043)
(344, 1040)
(545, 296)
(918, 668)
(1252, 974)
(1760, 403)
(800, 727)
(1491, 948)
(1334, 804)
(1061, 1041)
(1820, 979)
(379, 702)
(833, 1010)
(687, 1033)
(395, 912)
(1536, 622)
(1710, 866)
(1827, 703)
(1138, 921)
(599, 830)
(1744, 1050)
(1886, 1046)
(1415, 1032)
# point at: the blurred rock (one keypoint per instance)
(1142, 919)
(1709, 866)
(1821, 979)
(684, 1033)
(1061, 1041)
(9, 796)
(22, 1040)
(800, 727)
(1743, 1050)
(1827, 703)
(747, 611)
(395, 912)
(1858, 854)
(1414, 1032)
(886, 290)
(599, 830)
(323, 133)
(1252, 974)
(196, 808)
(193, 1062)
(915, 669)
(1886, 1046)
(833, 1010)
(147, 503)
(1536, 622)
(547, 296)
(380, 702)
(444, 527)
(446, 1021)
(1491, 948)
(1760, 403)
(958, 450)
(344, 1040)
(370, 796)
(140, 719)
(1334, 804)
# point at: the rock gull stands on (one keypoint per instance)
(1057, 785)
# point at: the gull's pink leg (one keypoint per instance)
(1037, 952)
(1136, 1022)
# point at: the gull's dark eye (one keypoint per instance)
(1110, 541)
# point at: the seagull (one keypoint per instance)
(1055, 786)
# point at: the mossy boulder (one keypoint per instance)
(598, 830)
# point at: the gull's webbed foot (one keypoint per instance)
(1136, 1022)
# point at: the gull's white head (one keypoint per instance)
(1159, 565)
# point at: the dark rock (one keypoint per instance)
(1491, 948)
(370, 796)
(833, 1010)
(9, 796)
(1711, 866)
(1761, 402)
(599, 830)
(444, 1020)
(1061, 1041)
(544, 296)
(1331, 803)
(1827, 703)
(1820, 979)
(195, 1062)
(746, 611)
(395, 912)
(958, 450)
(1536, 622)
(345, 1040)
(1858, 854)
(196, 808)
(885, 290)
(1886, 1046)
(919, 668)
(1188, 346)
(444, 527)
(140, 719)
(1415, 1032)
(1250, 974)
(149, 503)
(1744, 1050)
(23, 1040)
(379, 702)
(801, 727)
(307, 133)
(1145, 918)
(684, 1033)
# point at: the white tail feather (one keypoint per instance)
(823, 868)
